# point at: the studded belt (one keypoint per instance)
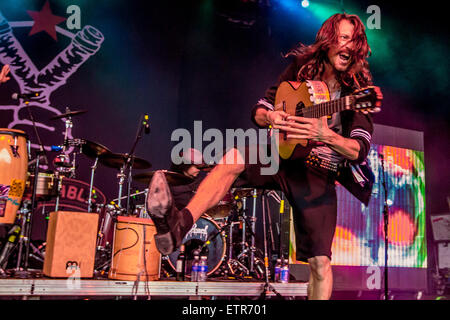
(313, 160)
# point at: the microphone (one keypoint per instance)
(146, 124)
(24, 96)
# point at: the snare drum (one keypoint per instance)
(13, 172)
(204, 229)
(134, 250)
(47, 186)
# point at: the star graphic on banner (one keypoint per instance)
(45, 20)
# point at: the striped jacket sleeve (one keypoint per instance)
(361, 129)
(267, 102)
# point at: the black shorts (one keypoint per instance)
(311, 193)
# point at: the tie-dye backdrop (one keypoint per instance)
(359, 237)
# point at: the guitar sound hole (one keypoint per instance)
(299, 109)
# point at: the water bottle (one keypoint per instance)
(194, 269)
(203, 269)
(180, 266)
(284, 277)
(277, 276)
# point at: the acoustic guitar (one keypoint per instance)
(311, 99)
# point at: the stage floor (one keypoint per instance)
(89, 287)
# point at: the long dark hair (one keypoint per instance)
(313, 57)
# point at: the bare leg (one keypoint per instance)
(215, 186)
(321, 278)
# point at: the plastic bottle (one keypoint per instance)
(203, 269)
(194, 269)
(284, 278)
(277, 275)
(180, 266)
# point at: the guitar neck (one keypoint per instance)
(327, 108)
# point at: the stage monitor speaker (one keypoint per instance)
(71, 240)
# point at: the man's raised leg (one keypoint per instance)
(171, 224)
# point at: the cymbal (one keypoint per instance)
(221, 210)
(245, 192)
(173, 178)
(68, 114)
(94, 149)
(117, 160)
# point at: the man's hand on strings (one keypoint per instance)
(315, 129)
(275, 117)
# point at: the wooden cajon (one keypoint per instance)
(71, 241)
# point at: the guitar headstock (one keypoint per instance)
(367, 99)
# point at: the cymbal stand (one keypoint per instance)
(231, 262)
(91, 185)
(244, 212)
(61, 171)
(130, 177)
(121, 177)
(267, 285)
(253, 222)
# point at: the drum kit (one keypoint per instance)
(225, 233)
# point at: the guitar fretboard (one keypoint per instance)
(325, 108)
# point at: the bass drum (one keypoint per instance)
(205, 230)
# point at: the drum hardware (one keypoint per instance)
(267, 285)
(124, 162)
(244, 192)
(280, 200)
(64, 167)
(27, 222)
(92, 150)
(121, 177)
(130, 161)
(252, 226)
(25, 214)
(139, 211)
(63, 163)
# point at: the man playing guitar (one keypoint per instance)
(337, 60)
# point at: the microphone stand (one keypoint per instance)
(386, 222)
(41, 146)
(23, 272)
(130, 156)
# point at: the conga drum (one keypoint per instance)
(13, 172)
(134, 250)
